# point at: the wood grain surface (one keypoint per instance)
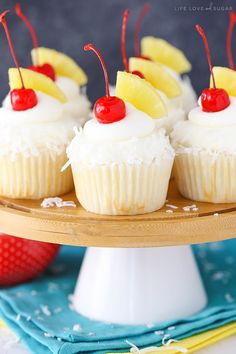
(75, 226)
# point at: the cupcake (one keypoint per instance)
(34, 133)
(62, 69)
(119, 155)
(205, 146)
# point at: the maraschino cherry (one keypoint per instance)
(46, 68)
(212, 99)
(232, 22)
(107, 109)
(22, 98)
(137, 30)
(123, 49)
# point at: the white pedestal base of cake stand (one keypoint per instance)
(139, 285)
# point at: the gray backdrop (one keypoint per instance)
(68, 24)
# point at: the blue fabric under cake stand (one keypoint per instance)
(41, 315)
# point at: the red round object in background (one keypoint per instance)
(22, 260)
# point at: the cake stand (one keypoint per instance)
(137, 269)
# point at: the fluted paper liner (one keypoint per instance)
(122, 189)
(34, 177)
(206, 177)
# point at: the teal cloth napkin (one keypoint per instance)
(40, 314)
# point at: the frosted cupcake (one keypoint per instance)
(205, 164)
(34, 133)
(118, 157)
(62, 69)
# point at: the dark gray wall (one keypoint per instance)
(68, 24)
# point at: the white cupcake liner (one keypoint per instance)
(122, 189)
(206, 177)
(34, 177)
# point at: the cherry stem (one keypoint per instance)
(123, 39)
(90, 46)
(4, 23)
(137, 28)
(30, 28)
(202, 33)
(232, 21)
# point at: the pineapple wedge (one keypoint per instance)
(36, 81)
(62, 63)
(165, 53)
(157, 75)
(140, 94)
(226, 79)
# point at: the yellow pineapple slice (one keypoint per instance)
(62, 63)
(226, 79)
(140, 93)
(165, 53)
(36, 81)
(157, 75)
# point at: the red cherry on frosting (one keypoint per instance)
(212, 99)
(22, 98)
(45, 69)
(107, 109)
(123, 50)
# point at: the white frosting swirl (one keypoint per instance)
(77, 102)
(136, 124)
(213, 132)
(188, 98)
(174, 109)
(68, 86)
(48, 109)
(134, 139)
(175, 114)
(43, 127)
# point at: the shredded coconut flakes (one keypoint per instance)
(58, 202)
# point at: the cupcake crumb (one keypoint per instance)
(169, 211)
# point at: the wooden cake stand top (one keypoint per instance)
(75, 226)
